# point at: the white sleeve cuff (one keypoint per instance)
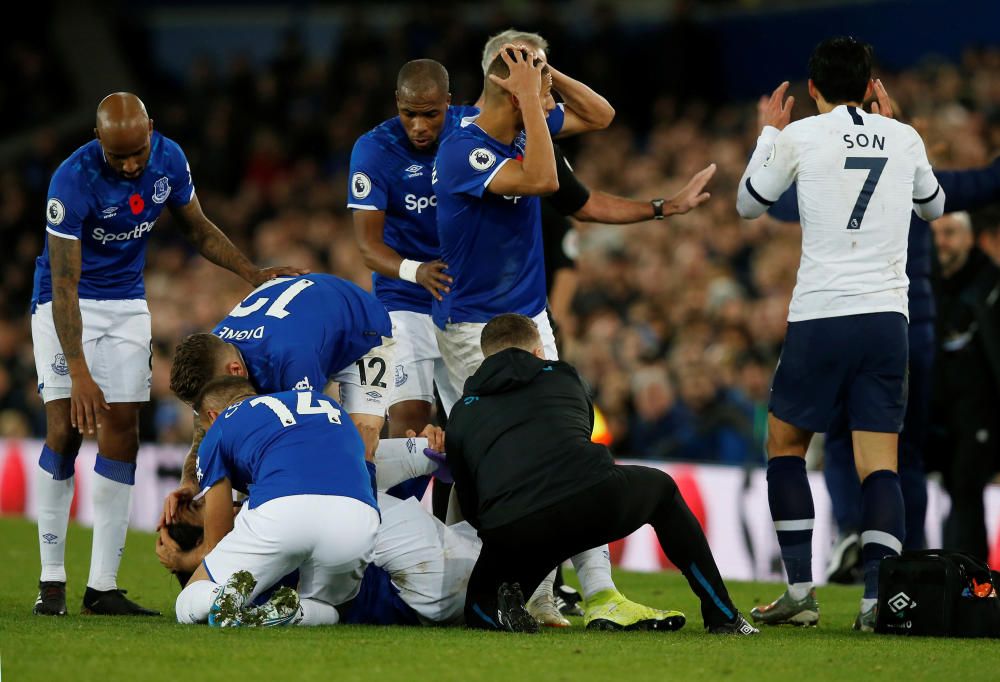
(495, 171)
(364, 207)
(60, 234)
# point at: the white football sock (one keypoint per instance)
(799, 591)
(400, 459)
(316, 612)
(52, 500)
(195, 601)
(593, 569)
(545, 587)
(112, 503)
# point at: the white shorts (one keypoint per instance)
(459, 344)
(418, 361)
(366, 383)
(116, 346)
(429, 562)
(330, 539)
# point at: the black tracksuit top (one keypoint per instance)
(519, 439)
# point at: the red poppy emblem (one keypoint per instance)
(136, 203)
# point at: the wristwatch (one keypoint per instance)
(657, 209)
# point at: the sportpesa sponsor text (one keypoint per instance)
(103, 236)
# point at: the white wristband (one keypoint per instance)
(408, 270)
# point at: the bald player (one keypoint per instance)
(90, 327)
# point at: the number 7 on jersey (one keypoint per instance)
(874, 165)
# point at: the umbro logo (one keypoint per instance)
(50, 539)
(109, 212)
(901, 601)
(374, 396)
(415, 168)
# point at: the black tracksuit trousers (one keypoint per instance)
(525, 550)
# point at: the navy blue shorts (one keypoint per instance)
(856, 364)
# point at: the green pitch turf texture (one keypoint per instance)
(79, 647)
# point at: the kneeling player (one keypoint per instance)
(520, 451)
(311, 507)
(293, 333)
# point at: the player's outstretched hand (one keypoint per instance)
(431, 276)
(86, 401)
(183, 495)
(267, 274)
(776, 111)
(525, 79)
(882, 104)
(693, 194)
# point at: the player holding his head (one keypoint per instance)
(91, 329)
(311, 507)
(395, 221)
(858, 176)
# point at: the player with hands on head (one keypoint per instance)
(858, 177)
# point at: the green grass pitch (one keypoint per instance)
(92, 648)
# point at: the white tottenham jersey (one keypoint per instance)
(858, 177)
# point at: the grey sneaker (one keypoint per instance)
(227, 607)
(865, 622)
(785, 610)
(281, 609)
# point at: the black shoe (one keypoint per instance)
(845, 560)
(51, 599)
(737, 626)
(112, 603)
(511, 613)
(568, 601)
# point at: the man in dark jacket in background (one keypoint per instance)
(539, 491)
(965, 424)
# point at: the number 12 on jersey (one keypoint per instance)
(874, 165)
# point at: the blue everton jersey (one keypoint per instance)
(112, 217)
(492, 243)
(289, 443)
(297, 332)
(389, 174)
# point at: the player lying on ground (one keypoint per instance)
(311, 507)
(420, 567)
(293, 333)
(858, 176)
(538, 490)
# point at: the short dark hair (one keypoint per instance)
(423, 76)
(222, 390)
(509, 330)
(499, 66)
(195, 360)
(840, 68)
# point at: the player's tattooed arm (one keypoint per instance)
(86, 397)
(189, 474)
(215, 246)
(189, 479)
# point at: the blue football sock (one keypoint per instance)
(882, 524)
(791, 503)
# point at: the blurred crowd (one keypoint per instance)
(676, 325)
